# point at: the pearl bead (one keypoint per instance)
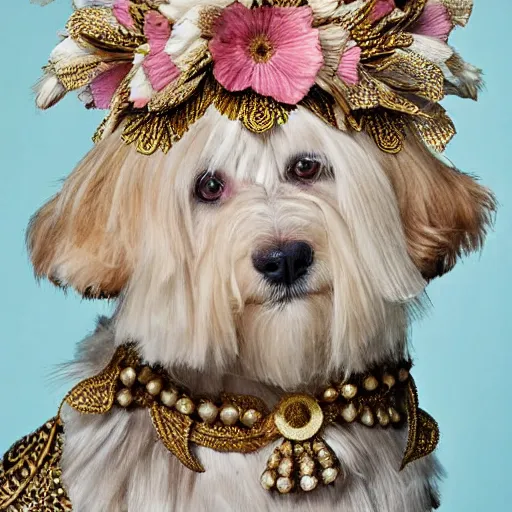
(124, 398)
(383, 417)
(394, 415)
(370, 383)
(349, 413)
(308, 483)
(367, 417)
(208, 412)
(284, 485)
(330, 394)
(250, 417)
(349, 391)
(403, 375)
(25, 472)
(329, 475)
(325, 459)
(145, 375)
(285, 467)
(268, 480)
(169, 397)
(154, 386)
(229, 415)
(388, 380)
(185, 405)
(128, 376)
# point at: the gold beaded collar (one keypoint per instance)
(385, 397)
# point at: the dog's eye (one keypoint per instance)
(209, 187)
(304, 169)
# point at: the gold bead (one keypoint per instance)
(403, 375)
(329, 475)
(154, 386)
(286, 449)
(124, 398)
(284, 485)
(318, 445)
(145, 375)
(128, 376)
(274, 460)
(308, 483)
(388, 380)
(285, 467)
(370, 383)
(185, 405)
(383, 417)
(330, 394)
(348, 391)
(349, 413)
(367, 417)
(325, 459)
(250, 417)
(394, 415)
(307, 466)
(169, 397)
(268, 480)
(229, 415)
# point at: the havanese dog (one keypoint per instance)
(278, 269)
(250, 265)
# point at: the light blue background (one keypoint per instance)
(462, 348)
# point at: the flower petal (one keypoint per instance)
(106, 84)
(121, 11)
(348, 69)
(435, 21)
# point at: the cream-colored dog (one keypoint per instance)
(257, 265)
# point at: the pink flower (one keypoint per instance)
(121, 11)
(158, 66)
(273, 50)
(348, 68)
(435, 21)
(382, 8)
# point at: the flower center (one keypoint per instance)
(261, 49)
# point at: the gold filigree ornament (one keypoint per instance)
(385, 397)
(373, 65)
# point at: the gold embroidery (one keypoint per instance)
(302, 460)
(423, 429)
(30, 475)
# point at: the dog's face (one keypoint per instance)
(283, 257)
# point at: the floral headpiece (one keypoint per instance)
(376, 65)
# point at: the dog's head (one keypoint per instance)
(285, 255)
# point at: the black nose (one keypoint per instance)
(285, 264)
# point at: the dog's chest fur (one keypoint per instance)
(116, 463)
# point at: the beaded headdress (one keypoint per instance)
(381, 66)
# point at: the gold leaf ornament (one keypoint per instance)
(423, 436)
(174, 431)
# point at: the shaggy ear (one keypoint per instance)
(445, 213)
(85, 236)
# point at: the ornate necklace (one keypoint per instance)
(384, 397)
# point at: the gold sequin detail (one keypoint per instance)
(423, 434)
(257, 113)
(30, 474)
(97, 27)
